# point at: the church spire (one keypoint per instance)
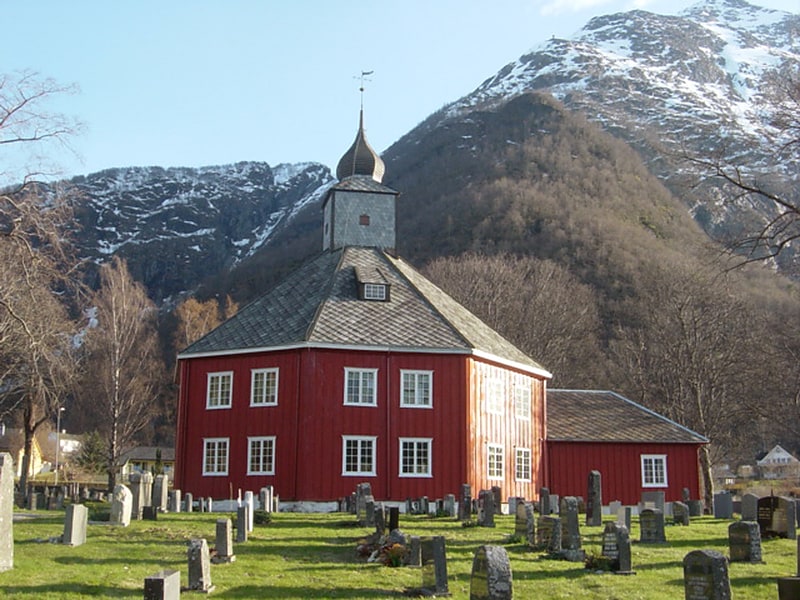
(360, 158)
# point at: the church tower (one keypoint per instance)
(359, 210)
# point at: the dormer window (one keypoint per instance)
(372, 285)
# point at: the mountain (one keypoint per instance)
(177, 226)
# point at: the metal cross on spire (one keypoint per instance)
(364, 77)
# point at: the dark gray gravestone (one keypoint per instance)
(414, 555)
(651, 527)
(369, 512)
(705, 576)
(695, 508)
(776, 517)
(450, 505)
(617, 547)
(188, 502)
(199, 566)
(570, 530)
(524, 523)
(789, 587)
(749, 507)
(653, 500)
(544, 501)
(680, 513)
(723, 505)
(241, 523)
(150, 513)
(380, 519)
(174, 502)
(744, 541)
(497, 492)
(486, 508)
(686, 495)
(160, 492)
(224, 542)
(394, 517)
(548, 534)
(491, 577)
(465, 503)
(594, 500)
(434, 565)
(77, 516)
(164, 585)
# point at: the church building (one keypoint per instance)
(356, 368)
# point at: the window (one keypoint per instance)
(654, 470)
(522, 469)
(522, 401)
(415, 457)
(358, 455)
(495, 460)
(220, 388)
(495, 392)
(416, 389)
(360, 386)
(374, 291)
(215, 456)
(261, 455)
(263, 387)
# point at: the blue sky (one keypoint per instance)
(200, 82)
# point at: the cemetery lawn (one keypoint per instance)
(299, 556)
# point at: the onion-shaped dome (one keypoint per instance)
(361, 159)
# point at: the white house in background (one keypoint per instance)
(778, 464)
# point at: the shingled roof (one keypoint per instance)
(603, 416)
(318, 306)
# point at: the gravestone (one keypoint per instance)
(121, 506)
(33, 501)
(686, 495)
(513, 501)
(544, 501)
(617, 547)
(164, 585)
(744, 541)
(614, 508)
(380, 520)
(414, 555)
(160, 492)
(434, 565)
(224, 542)
(554, 503)
(624, 516)
(705, 576)
(789, 587)
(491, 577)
(776, 517)
(651, 527)
(695, 508)
(174, 502)
(394, 517)
(680, 513)
(594, 499)
(265, 497)
(369, 511)
(525, 524)
(450, 505)
(241, 523)
(486, 508)
(249, 500)
(465, 503)
(188, 502)
(749, 507)
(150, 513)
(209, 504)
(723, 505)
(570, 530)
(199, 566)
(548, 534)
(141, 488)
(77, 516)
(652, 499)
(497, 492)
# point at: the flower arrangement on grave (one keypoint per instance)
(392, 555)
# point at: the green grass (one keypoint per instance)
(313, 556)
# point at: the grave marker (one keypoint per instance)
(491, 577)
(570, 530)
(486, 508)
(189, 502)
(651, 527)
(174, 504)
(544, 501)
(749, 507)
(497, 493)
(121, 506)
(199, 566)
(241, 523)
(723, 505)
(680, 513)
(548, 533)
(617, 547)
(224, 542)
(705, 576)
(652, 499)
(789, 587)
(164, 585)
(434, 565)
(160, 492)
(744, 541)
(465, 503)
(77, 516)
(524, 523)
(594, 499)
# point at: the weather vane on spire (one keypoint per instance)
(364, 77)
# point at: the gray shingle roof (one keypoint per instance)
(318, 305)
(603, 416)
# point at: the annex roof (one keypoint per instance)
(318, 305)
(604, 416)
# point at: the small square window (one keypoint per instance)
(261, 455)
(654, 470)
(417, 388)
(360, 387)
(215, 456)
(264, 387)
(358, 455)
(220, 390)
(415, 457)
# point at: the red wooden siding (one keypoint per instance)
(503, 428)
(619, 464)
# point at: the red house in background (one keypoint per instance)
(358, 369)
(634, 448)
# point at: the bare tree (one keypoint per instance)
(124, 367)
(535, 304)
(195, 319)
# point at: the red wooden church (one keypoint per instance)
(358, 369)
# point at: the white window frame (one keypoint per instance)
(214, 445)
(495, 461)
(360, 439)
(650, 474)
(416, 444)
(419, 400)
(261, 441)
(374, 291)
(522, 464)
(364, 400)
(265, 399)
(495, 395)
(522, 401)
(214, 399)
